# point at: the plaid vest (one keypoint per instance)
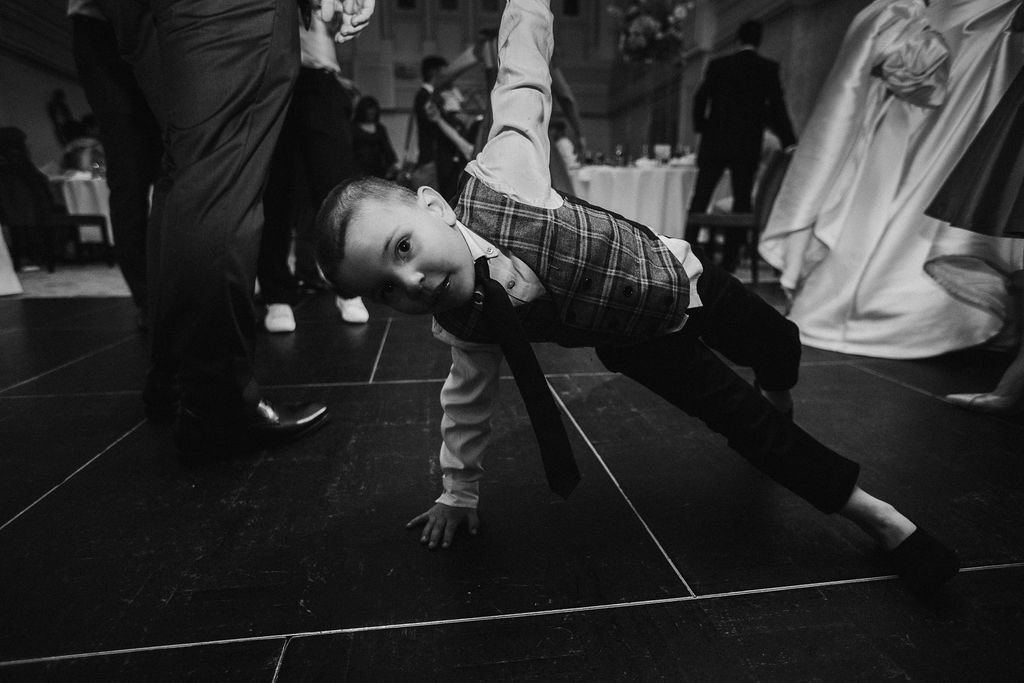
(609, 280)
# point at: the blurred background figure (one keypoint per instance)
(371, 144)
(563, 144)
(740, 96)
(84, 151)
(454, 146)
(313, 154)
(60, 115)
(428, 134)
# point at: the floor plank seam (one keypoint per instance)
(898, 382)
(70, 476)
(380, 351)
(633, 604)
(622, 493)
(67, 364)
(280, 660)
(79, 394)
(830, 363)
(941, 399)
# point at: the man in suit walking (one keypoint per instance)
(427, 132)
(740, 96)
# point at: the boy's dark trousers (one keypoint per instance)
(683, 369)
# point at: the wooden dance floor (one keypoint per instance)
(673, 560)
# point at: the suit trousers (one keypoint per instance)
(219, 76)
(742, 171)
(131, 141)
(684, 369)
(313, 154)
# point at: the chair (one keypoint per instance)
(27, 206)
(751, 223)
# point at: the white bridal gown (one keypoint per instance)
(911, 86)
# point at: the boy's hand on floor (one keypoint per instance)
(441, 522)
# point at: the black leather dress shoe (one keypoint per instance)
(924, 562)
(264, 426)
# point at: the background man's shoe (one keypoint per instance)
(262, 427)
(352, 310)
(280, 318)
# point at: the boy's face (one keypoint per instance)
(411, 257)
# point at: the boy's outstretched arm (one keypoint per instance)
(515, 159)
(515, 162)
(468, 399)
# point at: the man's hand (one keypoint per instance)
(354, 15)
(441, 522)
(350, 87)
(432, 112)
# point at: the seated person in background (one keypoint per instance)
(371, 144)
(579, 275)
(84, 152)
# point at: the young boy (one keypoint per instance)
(581, 276)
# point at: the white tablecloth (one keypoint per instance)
(657, 196)
(9, 283)
(91, 196)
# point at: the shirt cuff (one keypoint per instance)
(460, 494)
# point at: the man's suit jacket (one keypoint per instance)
(740, 96)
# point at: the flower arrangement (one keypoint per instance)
(652, 30)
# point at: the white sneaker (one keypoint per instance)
(279, 318)
(352, 310)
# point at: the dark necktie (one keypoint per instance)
(555, 451)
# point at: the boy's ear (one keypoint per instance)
(431, 199)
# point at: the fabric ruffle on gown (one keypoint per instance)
(985, 194)
(985, 191)
(909, 88)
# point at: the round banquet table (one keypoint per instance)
(657, 196)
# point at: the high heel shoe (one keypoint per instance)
(984, 403)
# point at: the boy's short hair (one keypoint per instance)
(341, 206)
(430, 65)
(749, 33)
